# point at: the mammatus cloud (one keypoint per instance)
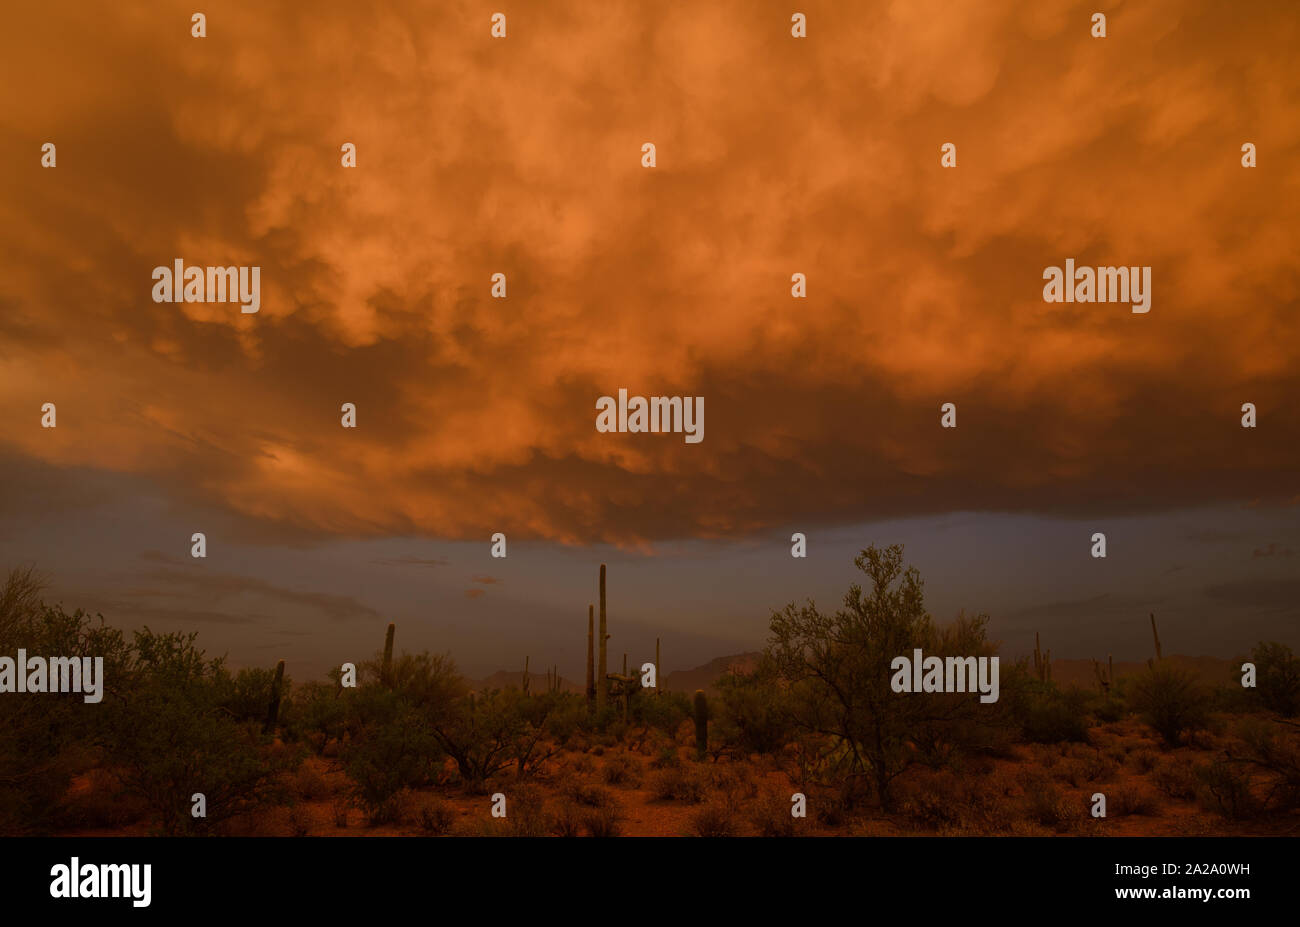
(522, 156)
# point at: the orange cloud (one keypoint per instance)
(776, 156)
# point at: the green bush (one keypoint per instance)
(1109, 709)
(485, 734)
(750, 712)
(663, 712)
(716, 819)
(1274, 751)
(172, 737)
(1277, 678)
(317, 712)
(1226, 789)
(1170, 701)
(45, 738)
(390, 751)
(1049, 715)
(247, 694)
(836, 669)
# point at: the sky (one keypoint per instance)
(476, 415)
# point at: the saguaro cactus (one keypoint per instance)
(525, 675)
(1105, 678)
(701, 724)
(657, 686)
(273, 708)
(386, 673)
(591, 654)
(1042, 663)
(602, 683)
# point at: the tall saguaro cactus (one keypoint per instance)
(1042, 664)
(658, 689)
(701, 724)
(277, 686)
(591, 654)
(602, 683)
(386, 673)
(1105, 678)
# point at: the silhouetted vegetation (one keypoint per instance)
(816, 724)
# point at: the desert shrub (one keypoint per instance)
(621, 769)
(735, 781)
(389, 750)
(172, 737)
(944, 800)
(930, 800)
(308, 783)
(958, 728)
(566, 720)
(1048, 807)
(99, 802)
(341, 809)
(770, 815)
(749, 712)
(1170, 701)
(494, 730)
(583, 765)
(1275, 754)
(299, 821)
(1049, 715)
(568, 818)
(676, 783)
(829, 806)
(1144, 760)
(1226, 789)
(603, 822)
(1232, 699)
(44, 736)
(837, 672)
(663, 712)
(715, 819)
(591, 796)
(247, 694)
(1088, 769)
(616, 732)
(1175, 777)
(1128, 800)
(1277, 678)
(316, 712)
(527, 814)
(433, 815)
(1109, 709)
(666, 758)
